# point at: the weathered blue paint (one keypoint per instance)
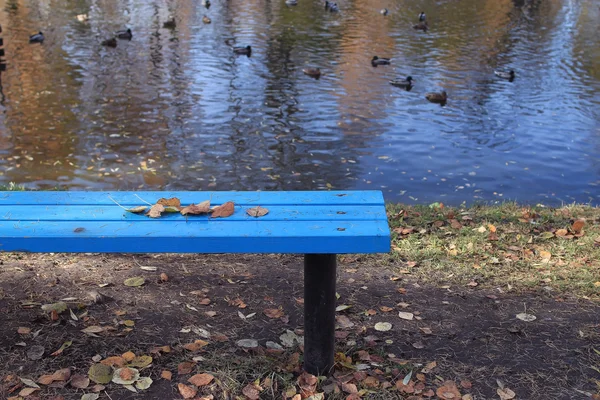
(297, 222)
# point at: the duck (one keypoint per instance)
(170, 23)
(403, 83)
(206, 3)
(375, 61)
(82, 17)
(36, 38)
(505, 75)
(422, 17)
(112, 42)
(437, 97)
(243, 50)
(291, 2)
(421, 26)
(333, 7)
(312, 72)
(124, 34)
(206, 20)
(384, 12)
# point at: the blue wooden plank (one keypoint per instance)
(215, 236)
(116, 213)
(373, 197)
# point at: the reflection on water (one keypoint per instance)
(176, 109)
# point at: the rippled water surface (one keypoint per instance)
(176, 109)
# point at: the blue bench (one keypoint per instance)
(316, 224)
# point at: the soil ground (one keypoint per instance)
(471, 333)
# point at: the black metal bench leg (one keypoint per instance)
(319, 312)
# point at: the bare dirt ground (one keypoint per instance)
(463, 334)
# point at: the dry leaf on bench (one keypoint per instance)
(137, 210)
(194, 209)
(257, 211)
(172, 202)
(155, 211)
(224, 210)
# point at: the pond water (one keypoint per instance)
(175, 109)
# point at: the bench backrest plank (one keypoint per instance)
(297, 222)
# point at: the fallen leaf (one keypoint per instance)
(273, 313)
(137, 210)
(224, 210)
(23, 330)
(90, 396)
(545, 255)
(135, 281)
(505, 394)
(455, 224)
(186, 391)
(140, 361)
(80, 381)
(58, 307)
(125, 376)
(247, 343)
(100, 373)
(168, 375)
(172, 202)
(45, 379)
(143, 383)
(62, 374)
(252, 391)
(448, 391)
(578, 225)
(164, 277)
(383, 326)
(93, 329)
(27, 391)
(200, 208)
(185, 368)
(155, 211)
(62, 348)
(526, 317)
(114, 361)
(349, 388)
(406, 315)
(35, 352)
(201, 379)
(257, 211)
(386, 309)
(561, 232)
(344, 322)
(492, 228)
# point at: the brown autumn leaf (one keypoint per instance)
(80, 381)
(155, 211)
(224, 210)
(466, 384)
(168, 375)
(448, 391)
(164, 277)
(185, 368)
(273, 313)
(370, 311)
(545, 255)
(186, 391)
(62, 374)
(252, 391)
(197, 345)
(237, 302)
(22, 330)
(205, 301)
(126, 374)
(257, 211)
(561, 232)
(492, 228)
(578, 225)
(201, 379)
(505, 393)
(455, 224)
(307, 383)
(349, 388)
(493, 236)
(129, 356)
(386, 309)
(45, 379)
(172, 202)
(200, 208)
(114, 361)
(370, 381)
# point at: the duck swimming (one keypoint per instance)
(375, 61)
(243, 50)
(206, 20)
(505, 75)
(421, 26)
(384, 12)
(36, 38)
(109, 42)
(124, 34)
(403, 83)
(437, 97)
(312, 72)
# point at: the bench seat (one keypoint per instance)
(316, 224)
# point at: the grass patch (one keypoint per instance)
(12, 187)
(500, 245)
